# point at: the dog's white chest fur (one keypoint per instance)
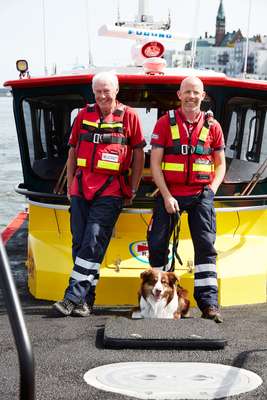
(151, 308)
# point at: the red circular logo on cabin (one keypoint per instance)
(152, 49)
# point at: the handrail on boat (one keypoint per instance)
(24, 348)
(255, 179)
(51, 196)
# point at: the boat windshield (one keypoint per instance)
(247, 129)
(246, 137)
(47, 121)
(46, 110)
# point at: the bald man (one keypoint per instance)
(188, 165)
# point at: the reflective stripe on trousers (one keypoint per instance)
(85, 270)
(202, 225)
(92, 223)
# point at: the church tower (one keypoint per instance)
(220, 25)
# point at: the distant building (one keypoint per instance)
(226, 51)
(220, 26)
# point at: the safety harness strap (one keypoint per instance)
(102, 133)
(176, 231)
(186, 149)
(100, 190)
(174, 127)
(103, 187)
(175, 226)
(105, 138)
(103, 127)
(79, 179)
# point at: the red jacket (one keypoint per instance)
(189, 159)
(186, 171)
(104, 150)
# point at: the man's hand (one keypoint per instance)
(171, 205)
(129, 202)
(213, 189)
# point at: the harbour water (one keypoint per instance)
(10, 167)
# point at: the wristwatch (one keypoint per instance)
(134, 191)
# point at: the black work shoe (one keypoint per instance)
(213, 314)
(64, 307)
(81, 310)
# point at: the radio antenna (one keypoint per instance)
(87, 14)
(44, 37)
(194, 40)
(247, 41)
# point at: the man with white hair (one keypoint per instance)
(106, 140)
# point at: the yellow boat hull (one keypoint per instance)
(241, 241)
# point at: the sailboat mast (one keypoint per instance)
(194, 40)
(44, 37)
(143, 7)
(87, 16)
(247, 41)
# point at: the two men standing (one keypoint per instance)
(187, 164)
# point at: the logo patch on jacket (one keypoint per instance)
(110, 157)
(202, 161)
(154, 136)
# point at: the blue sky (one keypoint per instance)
(21, 28)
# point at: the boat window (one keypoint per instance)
(264, 139)
(233, 134)
(161, 97)
(246, 129)
(151, 102)
(48, 122)
(148, 118)
(48, 119)
(74, 114)
(248, 149)
(144, 96)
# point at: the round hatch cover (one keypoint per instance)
(172, 380)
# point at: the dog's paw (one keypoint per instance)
(136, 315)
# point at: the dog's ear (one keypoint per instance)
(184, 302)
(184, 305)
(145, 274)
(182, 292)
(172, 277)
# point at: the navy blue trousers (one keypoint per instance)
(202, 225)
(92, 223)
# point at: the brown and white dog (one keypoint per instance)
(159, 296)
